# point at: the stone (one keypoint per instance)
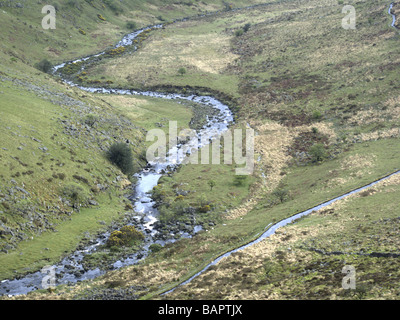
(93, 203)
(22, 190)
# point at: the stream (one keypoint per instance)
(393, 16)
(70, 269)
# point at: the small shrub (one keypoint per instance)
(6, 205)
(115, 239)
(81, 31)
(318, 152)
(239, 180)
(228, 7)
(130, 233)
(211, 183)
(120, 154)
(44, 65)
(182, 71)
(166, 214)
(123, 237)
(80, 178)
(239, 32)
(60, 176)
(205, 208)
(155, 247)
(246, 27)
(116, 51)
(101, 17)
(180, 198)
(316, 115)
(91, 120)
(158, 193)
(366, 193)
(131, 25)
(75, 193)
(202, 200)
(179, 207)
(95, 189)
(281, 194)
(128, 206)
(71, 68)
(314, 130)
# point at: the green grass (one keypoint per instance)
(65, 42)
(306, 189)
(150, 113)
(66, 156)
(47, 248)
(193, 179)
(291, 270)
(30, 121)
(323, 67)
(201, 47)
(290, 64)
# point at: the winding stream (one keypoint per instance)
(393, 16)
(70, 269)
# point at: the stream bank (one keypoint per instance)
(75, 267)
(75, 271)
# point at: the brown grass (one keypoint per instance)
(165, 52)
(270, 145)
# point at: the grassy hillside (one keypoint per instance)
(54, 142)
(299, 78)
(54, 137)
(324, 102)
(306, 260)
(84, 27)
(242, 275)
